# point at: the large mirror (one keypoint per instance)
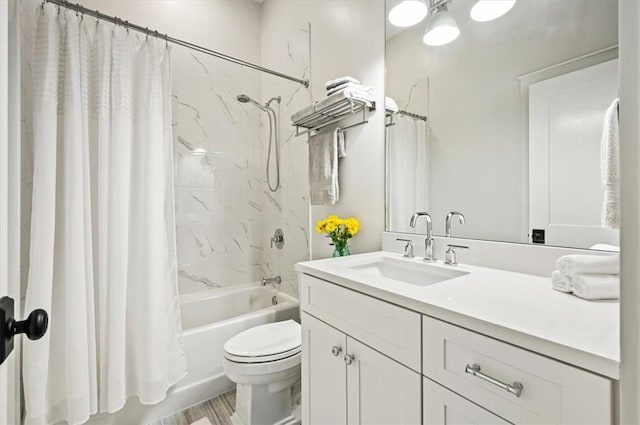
(513, 123)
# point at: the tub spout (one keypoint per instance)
(271, 280)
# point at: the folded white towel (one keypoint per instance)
(561, 282)
(610, 168)
(596, 286)
(353, 87)
(350, 92)
(605, 247)
(390, 104)
(578, 263)
(323, 168)
(341, 80)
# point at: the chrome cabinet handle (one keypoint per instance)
(515, 388)
(348, 358)
(335, 350)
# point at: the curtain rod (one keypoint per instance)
(79, 9)
(412, 115)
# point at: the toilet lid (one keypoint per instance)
(266, 340)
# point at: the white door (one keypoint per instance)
(324, 378)
(380, 390)
(9, 188)
(444, 407)
(566, 116)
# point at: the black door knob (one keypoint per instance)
(35, 326)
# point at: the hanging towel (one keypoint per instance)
(596, 286)
(561, 282)
(323, 168)
(390, 104)
(341, 80)
(610, 168)
(581, 264)
(338, 134)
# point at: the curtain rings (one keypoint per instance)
(166, 40)
(126, 26)
(146, 31)
(77, 10)
(97, 17)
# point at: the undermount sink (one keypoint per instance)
(420, 274)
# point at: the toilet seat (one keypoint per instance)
(265, 343)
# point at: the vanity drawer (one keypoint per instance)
(390, 329)
(552, 392)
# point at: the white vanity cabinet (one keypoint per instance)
(344, 379)
(515, 384)
(368, 361)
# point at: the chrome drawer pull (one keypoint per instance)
(515, 388)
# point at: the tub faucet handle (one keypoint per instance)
(278, 239)
(271, 280)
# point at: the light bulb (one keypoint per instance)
(408, 13)
(488, 10)
(441, 29)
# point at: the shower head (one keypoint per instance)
(243, 98)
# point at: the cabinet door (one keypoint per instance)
(324, 382)
(380, 390)
(443, 407)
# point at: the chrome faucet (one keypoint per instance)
(408, 248)
(447, 223)
(429, 243)
(271, 280)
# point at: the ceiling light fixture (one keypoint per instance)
(441, 28)
(408, 13)
(488, 10)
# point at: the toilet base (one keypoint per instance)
(268, 404)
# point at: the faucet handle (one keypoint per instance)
(450, 255)
(408, 248)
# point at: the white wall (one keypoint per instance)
(347, 38)
(630, 212)
(477, 119)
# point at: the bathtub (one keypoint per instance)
(209, 319)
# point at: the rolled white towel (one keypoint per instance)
(390, 104)
(341, 80)
(578, 263)
(596, 286)
(561, 282)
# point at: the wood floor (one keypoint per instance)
(218, 410)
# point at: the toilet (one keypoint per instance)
(264, 362)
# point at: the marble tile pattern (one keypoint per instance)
(225, 213)
(217, 410)
(287, 51)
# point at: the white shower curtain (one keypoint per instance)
(103, 250)
(407, 185)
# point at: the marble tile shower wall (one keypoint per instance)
(225, 213)
(288, 208)
(218, 223)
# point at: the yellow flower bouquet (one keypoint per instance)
(340, 230)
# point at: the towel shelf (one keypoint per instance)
(333, 113)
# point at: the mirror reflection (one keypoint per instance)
(504, 112)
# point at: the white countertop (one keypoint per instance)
(517, 308)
